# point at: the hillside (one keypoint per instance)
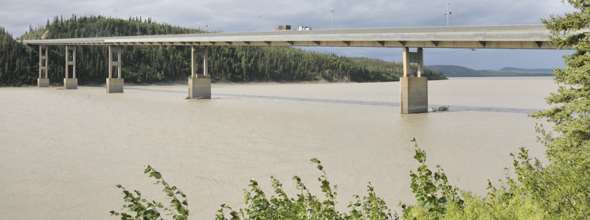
(547, 72)
(160, 64)
(17, 63)
(460, 71)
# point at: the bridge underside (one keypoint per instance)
(370, 44)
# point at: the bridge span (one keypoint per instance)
(414, 94)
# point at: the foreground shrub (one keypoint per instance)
(136, 207)
(436, 198)
(433, 193)
(304, 205)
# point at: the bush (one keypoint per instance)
(433, 193)
(137, 207)
(305, 205)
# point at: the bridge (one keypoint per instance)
(414, 87)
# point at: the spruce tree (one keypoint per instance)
(564, 185)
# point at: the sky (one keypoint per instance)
(263, 15)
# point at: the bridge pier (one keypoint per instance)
(43, 80)
(70, 55)
(114, 85)
(199, 85)
(414, 89)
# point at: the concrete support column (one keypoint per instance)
(43, 80)
(114, 85)
(406, 61)
(70, 55)
(199, 85)
(414, 87)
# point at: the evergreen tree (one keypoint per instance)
(567, 177)
(16, 61)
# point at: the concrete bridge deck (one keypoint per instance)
(505, 37)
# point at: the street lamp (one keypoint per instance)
(448, 13)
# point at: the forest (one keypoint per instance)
(19, 63)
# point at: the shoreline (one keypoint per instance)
(169, 83)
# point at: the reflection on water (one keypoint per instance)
(454, 108)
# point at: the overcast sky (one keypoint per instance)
(264, 15)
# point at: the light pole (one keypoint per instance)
(448, 14)
(332, 11)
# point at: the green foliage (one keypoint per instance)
(171, 63)
(500, 205)
(511, 201)
(136, 207)
(370, 206)
(304, 205)
(258, 206)
(431, 189)
(566, 179)
(16, 61)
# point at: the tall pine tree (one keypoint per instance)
(567, 177)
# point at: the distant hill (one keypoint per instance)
(460, 71)
(527, 71)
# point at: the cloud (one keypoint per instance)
(264, 15)
(232, 15)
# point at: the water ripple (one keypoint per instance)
(452, 108)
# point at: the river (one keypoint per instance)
(63, 151)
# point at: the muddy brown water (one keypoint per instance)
(62, 152)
